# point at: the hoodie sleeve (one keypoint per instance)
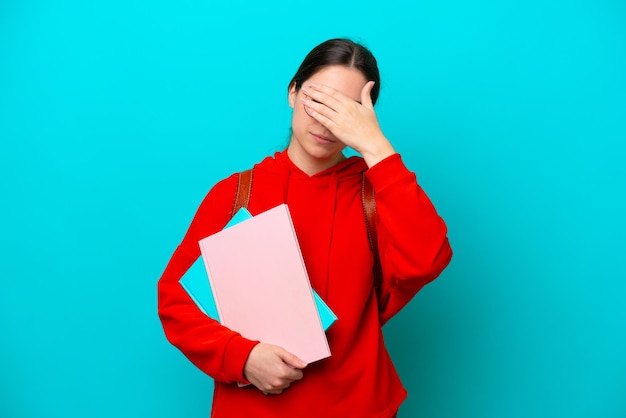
(213, 348)
(412, 240)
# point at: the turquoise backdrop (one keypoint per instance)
(116, 117)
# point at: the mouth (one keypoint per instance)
(322, 139)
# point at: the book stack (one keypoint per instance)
(252, 279)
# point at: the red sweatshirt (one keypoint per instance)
(359, 379)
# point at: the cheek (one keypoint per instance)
(297, 121)
(300, 116)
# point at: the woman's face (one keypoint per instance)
(313, 147)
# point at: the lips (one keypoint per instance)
(322, 139)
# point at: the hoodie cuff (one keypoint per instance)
(235, 357)
(387, 172)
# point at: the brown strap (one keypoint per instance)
(244, 189)
(369, 209)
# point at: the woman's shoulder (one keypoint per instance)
(227, 187)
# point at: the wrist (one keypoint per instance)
(379, 150)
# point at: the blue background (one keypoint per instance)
(116, 118)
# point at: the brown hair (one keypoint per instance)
(339, 52)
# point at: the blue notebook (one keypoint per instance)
(196, 284)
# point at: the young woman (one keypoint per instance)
(332, 96)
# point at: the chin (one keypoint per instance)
(325, 154)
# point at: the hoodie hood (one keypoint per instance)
(280, 163)
(290, 175)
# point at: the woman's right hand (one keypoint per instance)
(272, 369)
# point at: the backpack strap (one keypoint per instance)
(244, 189)
(369, 210)
(242, 199)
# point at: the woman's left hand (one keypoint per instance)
(355, 124)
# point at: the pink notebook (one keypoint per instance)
(261, 286)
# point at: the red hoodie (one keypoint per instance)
(359, 379)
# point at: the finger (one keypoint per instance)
(366, 94)
(330, 97)
(278, 385)
(321, 108)
(292, 360)
(295, 374)
(273, 392)
(316, 111)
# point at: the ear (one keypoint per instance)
(292, 94)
